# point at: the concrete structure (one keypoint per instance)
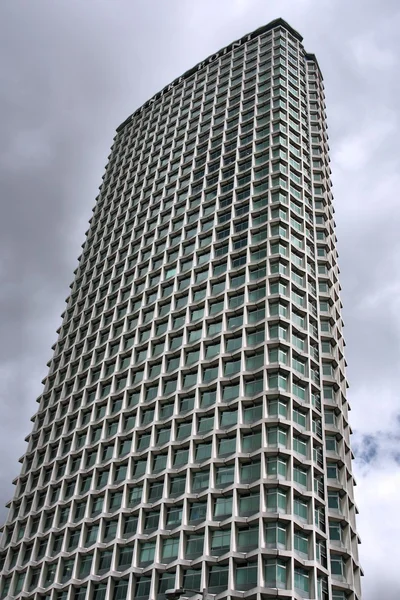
(193, 429)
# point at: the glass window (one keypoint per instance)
(276, 467)
(276, 535)
(255, 337)
(249, 505)
(200, 481)
(104, 563)
(223, 507)
(170, 549)
(147, 551)
(251, 441)
(214, 328)
(232, 367)
(300, 445)
(174, 516)
(178, 485)
(191, 579)
(189, 379)
(181, 457)
(220, 541)
(203, 452)
(224, 476)
(230, 392)
(194, 546)
(226, 446)
(334, 501)
(210, 373)
(218, 578)
(233, 343)
(197, 512)
(275, 573)
(300, 543)
(299, 417)
(300, 508)
(212, 350)
(302, 581)
(130, 526)
(278, 380)
(228, 418)
(277, 408)
(277, 436)
(276, 500)
(192, 356)
(250, 472)
(125, 558)
(300, 475)
(184, 430)
(186, 404)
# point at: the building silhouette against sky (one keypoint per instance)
(193, 428)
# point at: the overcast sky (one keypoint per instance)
(72, 70)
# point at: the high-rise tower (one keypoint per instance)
(193, 428)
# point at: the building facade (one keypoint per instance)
(193, 428)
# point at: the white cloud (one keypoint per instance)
(28, 149)
(377, 496)
(371, 51)
(359, 148)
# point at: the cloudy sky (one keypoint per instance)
(72, 70)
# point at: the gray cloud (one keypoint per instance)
(71, 71)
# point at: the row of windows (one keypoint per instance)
(241, 210)
(213, 110)
(204, 422)
(278, 286)
(154, 489)
(168, 171)
(246, 502)
(112, 423)
(251, 386)
(221, 109)
(215, 367)
(246, 386)
(200, 349)
(220, 249)
(203, 283)
(129, 210)
(141, 587)
(251, 412)
(164, 320)
(231, 64)
(183, 270)
(279, 177)
(215, 475)
(276, 573)
(244, 155)
(230, 325)
(179, 278)
(194, 452)
(245, 159)
(245, 162)
(146, 213)
(241, 94)
(159, 258)
(278, 248)
(227, 366)
(190, 546)
(192, 209)
(158, 437)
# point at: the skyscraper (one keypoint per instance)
(193, 427)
